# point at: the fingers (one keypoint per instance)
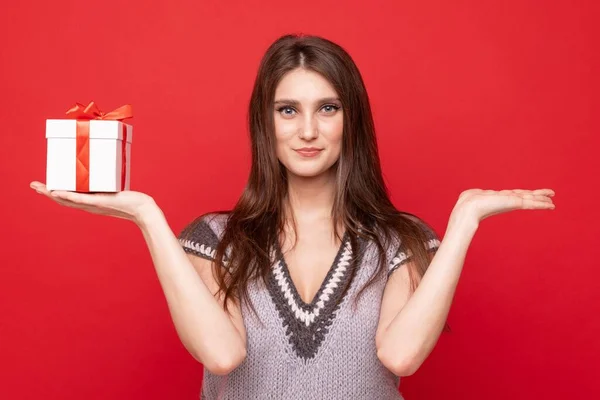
(530, 201)
(73, 197)
(538, 195)
(543, 192)
(536, 204)
(537, 192)
(66, 198)
(38, 187)
(84, 200)
(526, 199)
(535, 197)
(41, 189)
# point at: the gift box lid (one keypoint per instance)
(99, 129)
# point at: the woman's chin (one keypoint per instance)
(307, 172)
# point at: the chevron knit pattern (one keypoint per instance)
(307, 325)
(322, 350)
(199, 249)
(402, 257)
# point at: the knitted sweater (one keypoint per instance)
(322, 350)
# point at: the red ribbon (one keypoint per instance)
(83, 115)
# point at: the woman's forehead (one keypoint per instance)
(304, 86)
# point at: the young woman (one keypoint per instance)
(314, 286)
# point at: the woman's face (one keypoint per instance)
(308, 123)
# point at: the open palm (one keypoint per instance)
(126, 204)
(481, 204)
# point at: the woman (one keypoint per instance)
(314, 286)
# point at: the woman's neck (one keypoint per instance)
(311, 198)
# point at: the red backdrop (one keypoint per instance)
(466, 94)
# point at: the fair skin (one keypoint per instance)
(308, 114)
(409, 324)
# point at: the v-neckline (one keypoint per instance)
(326, 280)
(307, 324)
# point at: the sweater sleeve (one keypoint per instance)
(201, 236)
(403, 256)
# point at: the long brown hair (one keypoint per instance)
(362, 204)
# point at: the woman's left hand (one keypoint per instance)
(478, 204)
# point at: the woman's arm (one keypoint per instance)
(405, 342)
(211, 335)
(417, 320)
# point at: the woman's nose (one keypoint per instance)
(310, 129)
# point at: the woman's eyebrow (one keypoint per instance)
(297, 103)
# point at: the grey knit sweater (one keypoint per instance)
(322, 350)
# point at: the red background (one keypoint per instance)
(466, 94)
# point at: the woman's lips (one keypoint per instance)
(308, 152)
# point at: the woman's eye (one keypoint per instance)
(283, 109)
(330, 108)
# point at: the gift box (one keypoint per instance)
(89, 151)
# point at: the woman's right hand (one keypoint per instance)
(130, 205)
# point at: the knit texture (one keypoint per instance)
(322, 350)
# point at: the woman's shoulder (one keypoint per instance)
(202, 235)
(215, 220)
(414, 226)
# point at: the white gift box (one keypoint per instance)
(106, 158)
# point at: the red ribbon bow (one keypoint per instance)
(83, 115)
